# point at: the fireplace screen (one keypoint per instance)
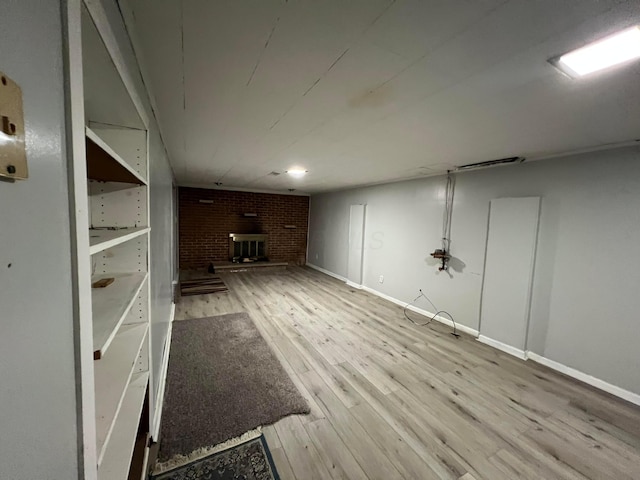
(247, 247)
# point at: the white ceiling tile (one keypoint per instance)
(367, 91)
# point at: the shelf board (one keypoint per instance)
(105, 165)
(100, 240)
(112, 375)
(110, 307)
(119, 450)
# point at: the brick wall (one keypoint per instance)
(205, 228)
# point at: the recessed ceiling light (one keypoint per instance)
(297, 172)
(612, 50)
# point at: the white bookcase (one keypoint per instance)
(117, 207)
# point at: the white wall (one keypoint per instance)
(585, 297)
(38, 430)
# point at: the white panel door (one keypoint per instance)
(508, 273)
(356, 244)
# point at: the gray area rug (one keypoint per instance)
(223, 380)
(250, 460)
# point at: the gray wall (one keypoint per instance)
(585, 296)
(163, 246)
(37, 371)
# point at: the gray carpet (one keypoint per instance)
(223, 380)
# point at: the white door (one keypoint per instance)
(356, 244)
(508, 273)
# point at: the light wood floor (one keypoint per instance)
(390, 400)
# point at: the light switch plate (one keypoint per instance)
(13, 155)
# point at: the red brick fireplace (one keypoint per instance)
(207, 217)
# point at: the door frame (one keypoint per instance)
(359, 244)
(510, 349)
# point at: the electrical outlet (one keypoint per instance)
(381, 279)
(316, 256)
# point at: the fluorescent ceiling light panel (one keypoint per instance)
(297, 172)
(615, 49)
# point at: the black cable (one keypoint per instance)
(438, 312)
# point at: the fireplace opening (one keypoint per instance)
(247, 248)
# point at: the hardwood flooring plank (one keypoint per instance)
(321, 366)
(514, 467)
(335, 454)
(620, 452)
(618, 413)
(482, 406)
(271, 436)
(408, 463)
(282, 464)
(372, 460)
(421, 440)
(583, 454)
(301, 453)
(468, 476)
(470, 450)
(624, 438)
(544, 460)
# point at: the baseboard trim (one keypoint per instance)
(326, 272)
(354, 285)
(443, 320)
(585, 378)
(157, 415)
(516, 352)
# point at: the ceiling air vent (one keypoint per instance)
(491, 163)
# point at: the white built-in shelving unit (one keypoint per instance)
(118, 248)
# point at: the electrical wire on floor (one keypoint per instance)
(438, 312)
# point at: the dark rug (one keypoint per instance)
(223, 380)
(248, 461)
(202, 286)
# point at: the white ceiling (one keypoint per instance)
(367, 91)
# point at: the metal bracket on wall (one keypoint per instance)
(13, 155)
